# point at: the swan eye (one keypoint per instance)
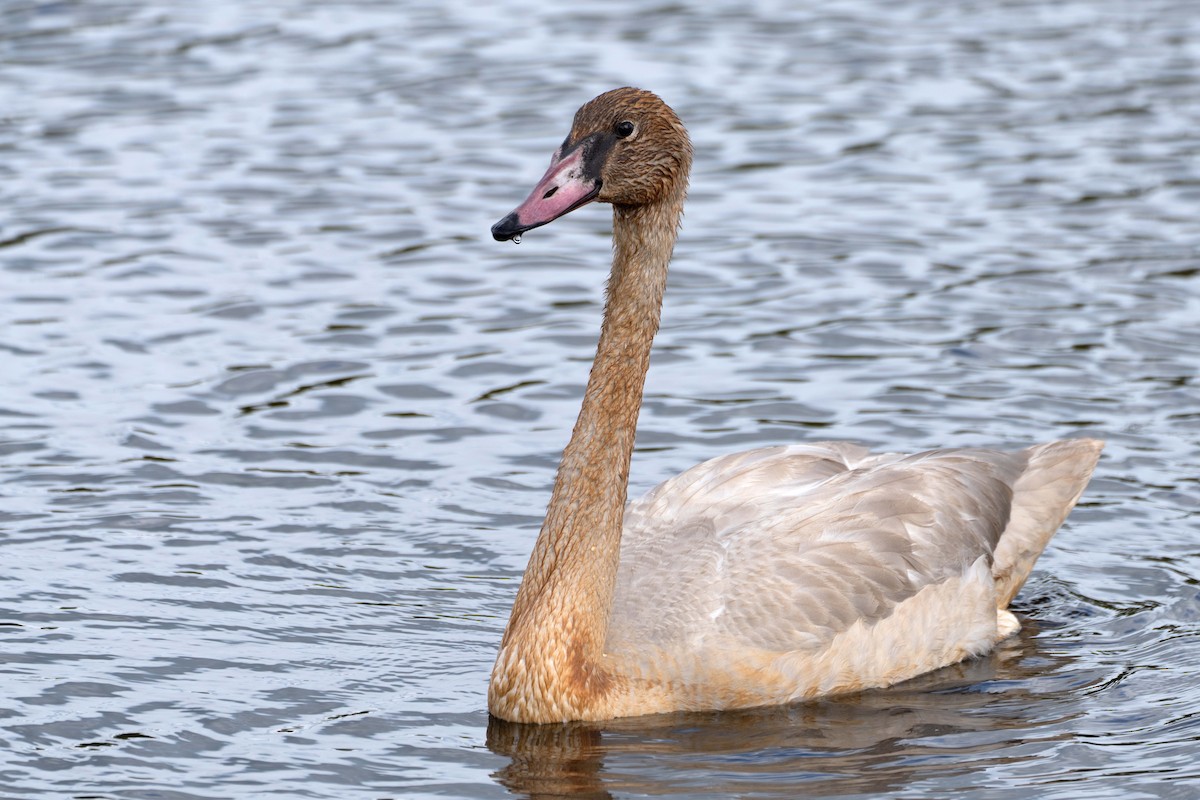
(624, 129)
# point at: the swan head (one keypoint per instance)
(626, 147)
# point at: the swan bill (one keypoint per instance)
(566, 186)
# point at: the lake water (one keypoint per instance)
(278, 419)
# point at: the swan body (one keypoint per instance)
(756, 578)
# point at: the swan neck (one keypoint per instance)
(560, 617)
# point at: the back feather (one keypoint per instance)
(783, 548)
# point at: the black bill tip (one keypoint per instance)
(508, 228)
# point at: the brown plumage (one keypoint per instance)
(756, 578)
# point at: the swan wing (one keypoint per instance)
(782, 549)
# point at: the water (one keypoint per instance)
(279, 419)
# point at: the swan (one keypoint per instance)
(759, 578)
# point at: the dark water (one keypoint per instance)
(278, 419)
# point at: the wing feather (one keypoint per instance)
(783, 548)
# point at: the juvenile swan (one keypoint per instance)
(757, 578)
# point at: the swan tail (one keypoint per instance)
(1045, 493)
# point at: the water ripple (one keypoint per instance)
(279, 420)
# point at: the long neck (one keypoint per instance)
(560, 617)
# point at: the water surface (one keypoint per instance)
(279, 420)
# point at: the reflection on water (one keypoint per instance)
(278, 419)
